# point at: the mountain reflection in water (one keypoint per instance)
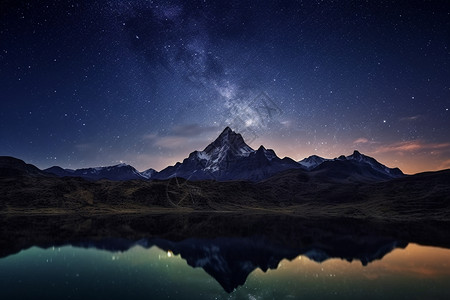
(118, 268)
(228, 249)
(230, 260)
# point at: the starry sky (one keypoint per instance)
(95, 83)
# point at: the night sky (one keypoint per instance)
(94, 83)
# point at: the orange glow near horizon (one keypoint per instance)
(413, 261)
(411, 157)
(411, 162)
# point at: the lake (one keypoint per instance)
(225, 268)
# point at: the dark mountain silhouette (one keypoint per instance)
(230, 260)
(10, 166)
(149, 173)
(356, 167)
(118, 172)
(229, 158)
(311, 162)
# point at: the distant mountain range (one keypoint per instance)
(118, 172)
(230, 158)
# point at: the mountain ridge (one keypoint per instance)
(117, 172)
(228, 157)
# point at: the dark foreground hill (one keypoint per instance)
(298, 192)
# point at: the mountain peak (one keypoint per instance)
(357, 156)
(374, 164)
(229, 158)
(227, 130)
(356, 152)
(121, 165)
(147, 174)
(229, 140)
(227, 133)
(312, 161)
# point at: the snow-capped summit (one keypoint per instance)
(268, 153)
(228, 142)
(312, 161)
(356, 167)
(229, 158)
(148, 174)
(361, 158)
(229, 146)
(117, 172)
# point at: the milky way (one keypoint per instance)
(89, 83)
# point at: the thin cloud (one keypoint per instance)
(150, 136)
(361, 141)
(171, 142)
(411, 118)
(411, 146)
(179, 136)
(287, 124)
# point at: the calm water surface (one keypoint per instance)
(70, 272)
